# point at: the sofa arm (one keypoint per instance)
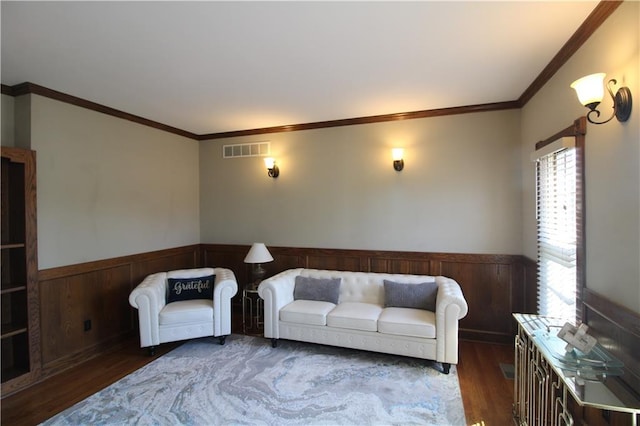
(149, 298)
(451, 307)
(276, 292)
(224, 289)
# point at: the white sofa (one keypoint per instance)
(360, 319)
(162, 322)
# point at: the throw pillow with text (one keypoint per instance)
(190, 288)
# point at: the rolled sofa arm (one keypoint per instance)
(149, 298)
(224, 289)
(451, 307)
(276, 292)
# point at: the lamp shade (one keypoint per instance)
(590, 89)
(397, 154)
(258, 254)
(269, 162)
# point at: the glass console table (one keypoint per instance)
(545, 375)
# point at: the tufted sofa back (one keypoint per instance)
(365, 287)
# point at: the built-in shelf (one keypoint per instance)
(13, 289)
(12, 246)
(13, 373)
(19, 329)
(9, 330)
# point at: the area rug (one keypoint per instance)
(247, 382)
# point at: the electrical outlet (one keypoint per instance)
(87, 325)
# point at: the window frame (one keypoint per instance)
(578, 130)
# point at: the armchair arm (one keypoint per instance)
(224, 289)
(149, 298)
(276, 292)
(451, 307)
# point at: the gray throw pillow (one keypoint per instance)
(417, 296)
(320, 289)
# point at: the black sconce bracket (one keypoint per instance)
(621, 105)
(273, 172)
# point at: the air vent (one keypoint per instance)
(255, 149)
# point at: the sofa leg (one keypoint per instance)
(222, 339)
(446, 367)
(274, 343)
(152, 350)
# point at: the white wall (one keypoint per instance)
(109, 187)
(7, 111)
(459, 191)
(612, 158)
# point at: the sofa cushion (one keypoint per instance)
(320, 289)
(406, 295)
(190, 288)
(408, 322)
(187, 311)
(311, 312)
(355, 316)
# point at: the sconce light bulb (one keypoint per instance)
(397, 153)
(269, 162)
(272, 169)
(398, 160)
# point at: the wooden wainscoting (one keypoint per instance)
(492, 284)
(530, 285)
(97, 292)
(617, 329)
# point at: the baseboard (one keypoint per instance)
(72, 360)
(485, 337)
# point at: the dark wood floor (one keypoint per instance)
(486, 394)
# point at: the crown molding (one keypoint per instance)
(6, 90)
(31, 88)
(366, 120)
(600, 14)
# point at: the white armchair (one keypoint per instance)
(162, 322)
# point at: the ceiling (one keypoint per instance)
(210, 67)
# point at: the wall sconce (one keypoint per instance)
(272, 169)
(590, 92)
(398, 161)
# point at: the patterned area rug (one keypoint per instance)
(246, 381)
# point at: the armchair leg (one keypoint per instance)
(446, 367)
(274, 343)
(152, 350)
(222, 339)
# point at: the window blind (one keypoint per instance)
(557, 234)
